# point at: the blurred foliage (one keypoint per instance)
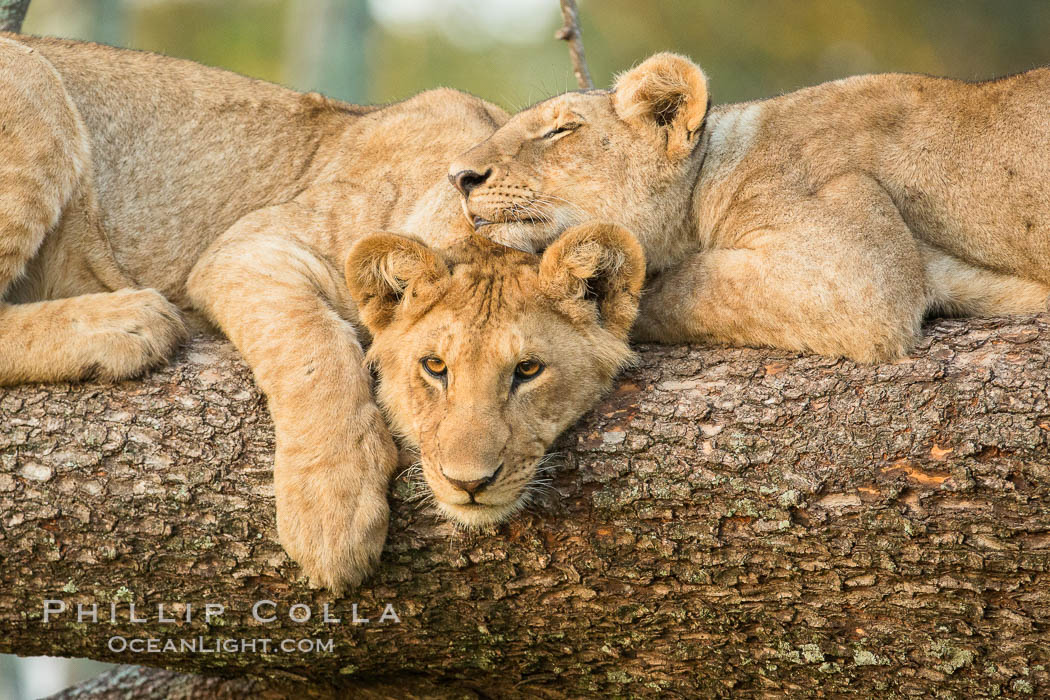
(246, 37)
(759, 48)
(749, 48)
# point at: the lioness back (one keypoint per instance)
(967, 164)
(179, 151)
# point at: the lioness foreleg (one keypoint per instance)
(842, 276)
(286, 310)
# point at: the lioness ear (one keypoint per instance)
(385, 271)
(667, 92)
(598, 262)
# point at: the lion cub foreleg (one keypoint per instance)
(46, 191)
(44, 155)
(285, 309)
(106, 336)
(841, 277)
(58, 319)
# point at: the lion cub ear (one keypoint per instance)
(666, 92)
(386, 272)
(599, 263)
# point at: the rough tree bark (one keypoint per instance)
(727, 520)
(12, 14)
(146, 683)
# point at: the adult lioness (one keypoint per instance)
(831, 219)
(130, 182)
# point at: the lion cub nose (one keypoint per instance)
(466, 181)
(475, 486)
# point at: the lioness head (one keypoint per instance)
(485, 354)
(622, 155)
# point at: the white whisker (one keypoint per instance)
(554, 199)
(411, 470)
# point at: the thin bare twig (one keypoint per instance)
(12, 12)
(570, 33)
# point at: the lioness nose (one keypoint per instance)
(466, 181)
(473, 487)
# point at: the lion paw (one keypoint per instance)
(333, 520)
(124, 333)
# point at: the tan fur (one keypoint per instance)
(482, 309)
(236, 199)
(832, 219)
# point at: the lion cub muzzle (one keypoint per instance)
(474, 486)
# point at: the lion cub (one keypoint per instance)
(485, 354)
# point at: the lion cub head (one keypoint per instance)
(486, 354)
(623, 155)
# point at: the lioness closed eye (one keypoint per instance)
(486, 354)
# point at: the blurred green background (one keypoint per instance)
(383, 50)
(503, 50)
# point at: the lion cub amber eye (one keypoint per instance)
(434, 366)
(527, 369)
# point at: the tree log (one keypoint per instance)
(146, 683)
(727, 520)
